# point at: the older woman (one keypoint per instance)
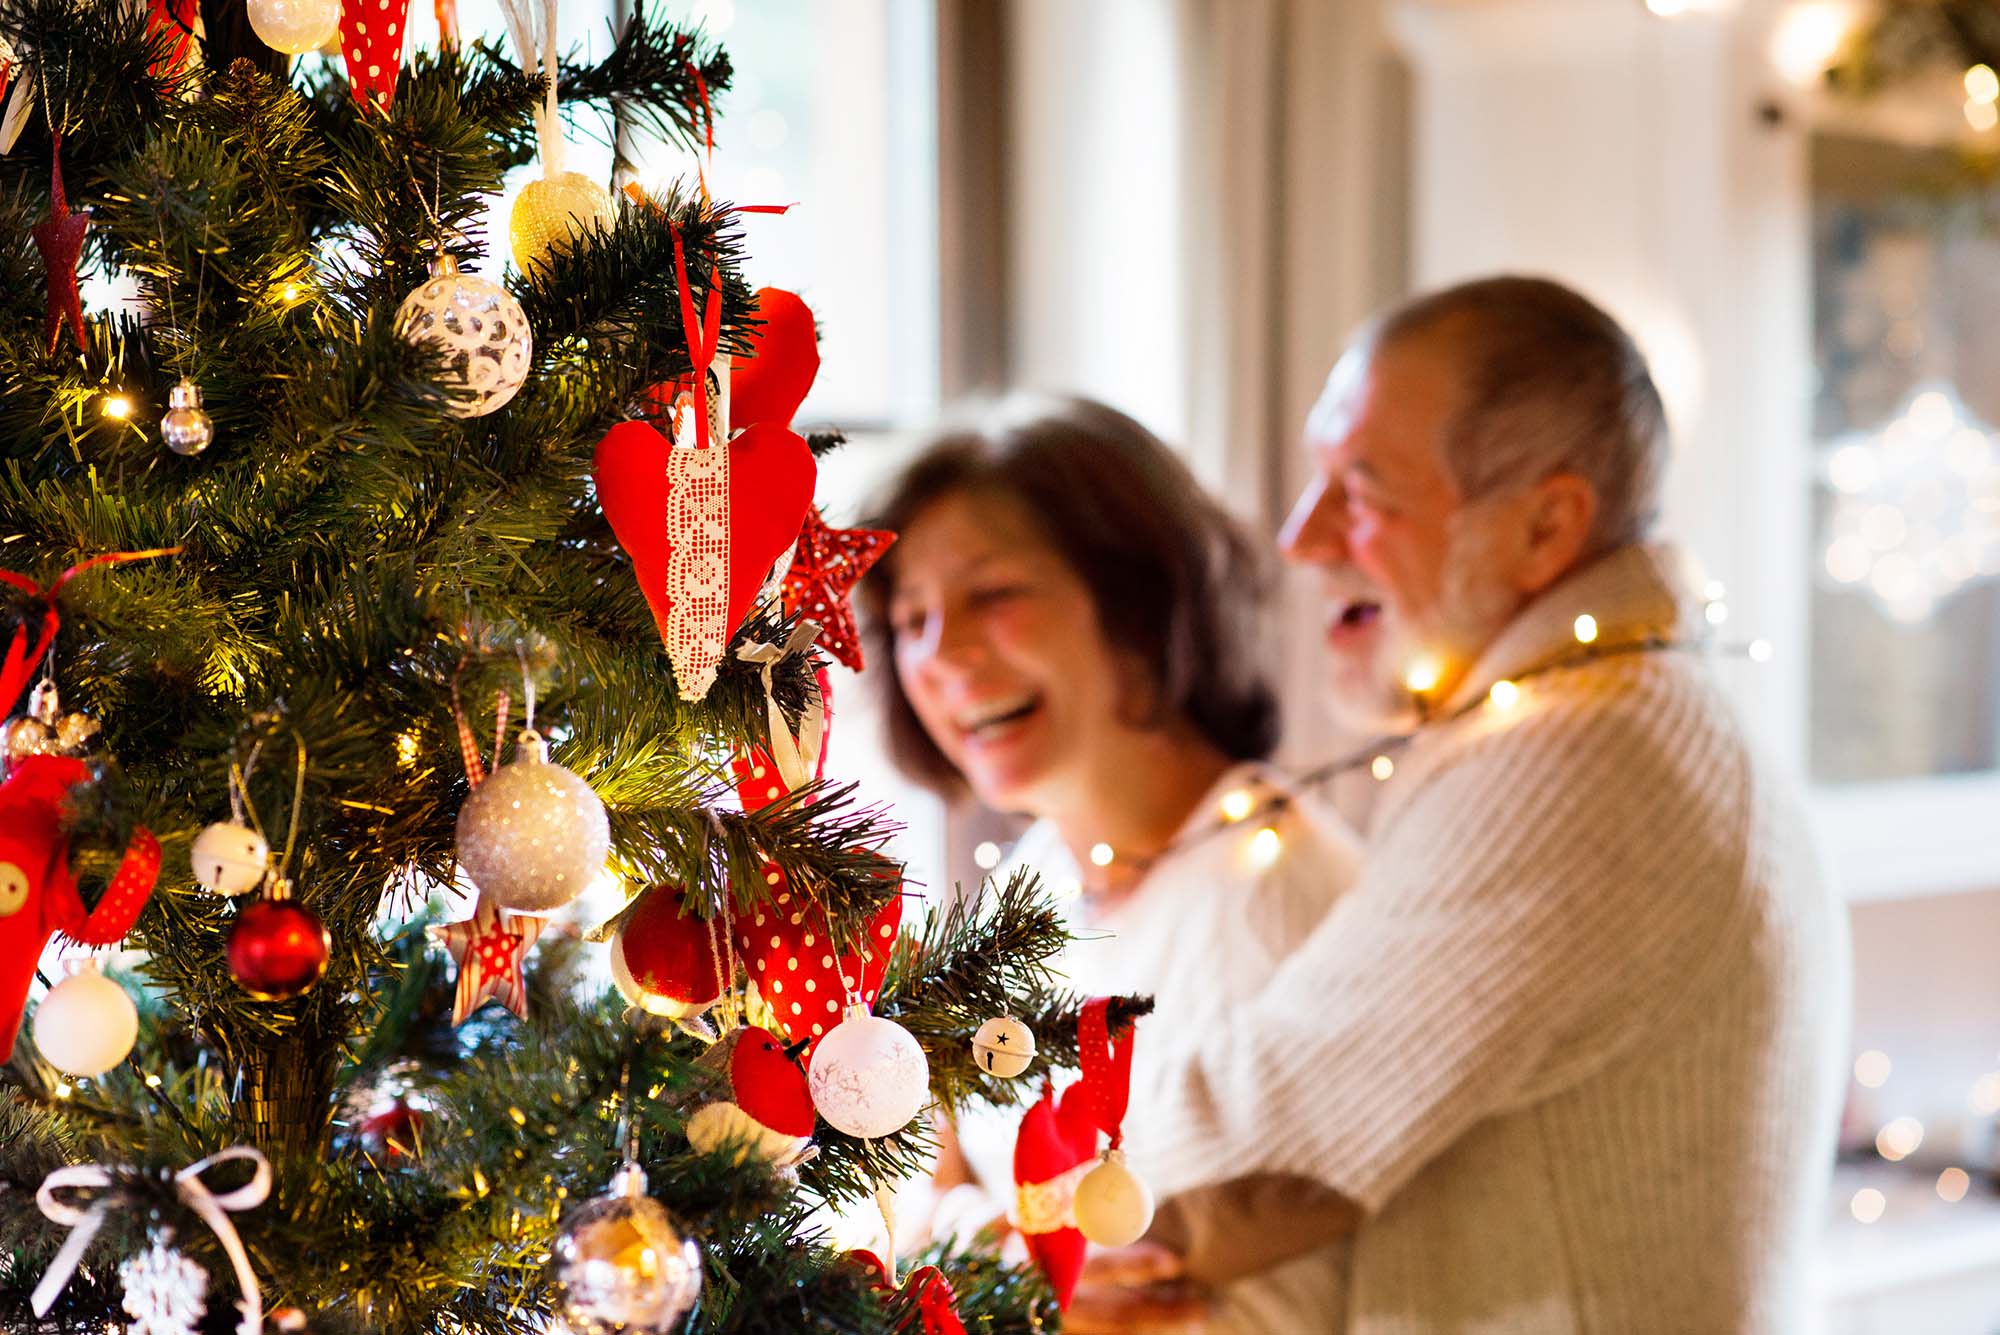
(1074, 629)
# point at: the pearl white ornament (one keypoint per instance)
(1113, 1207)
(868, 1076)
(230, 859)
(187, 428)
(480, 328)
(295, 26)
(1004, 1047)
(534, 835)
(86, 1024)
(620, 1265)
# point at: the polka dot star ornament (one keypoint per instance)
(488, 949)
(826, 565)
(372, 33)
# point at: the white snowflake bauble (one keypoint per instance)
(295, 26)
(480, 328)
(534, 835)
(1113, 1207)
(620, 1265)
(868, 1076)
(1004, 1047)
(86, 1024)
(165, 1293)
(229, 858)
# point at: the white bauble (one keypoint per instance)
(86, 1024)
(869, 1076)
(295, 26)
(718, 1125)
(1004, 1047)
(480, 328)
(230, 859)
(1113, 1207)
(534, 835)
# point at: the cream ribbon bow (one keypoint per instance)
(796, 756)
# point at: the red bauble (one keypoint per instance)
(278, 949)
(391, 1131)
(768, 383)
(669, 955)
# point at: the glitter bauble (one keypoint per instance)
(620, 1265)
(278, 949)
(551, 213)
(187, 428)
(1113, 1207)
(24, 737)
(295, 26)
(86, 1024)
(869, 1076)
(533, 836)
(479, 328)
(229, 858)
(74, 733)
(1004, 1047)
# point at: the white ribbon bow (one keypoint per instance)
(213, 1209)
(796, 757)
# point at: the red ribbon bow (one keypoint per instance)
(20, 662)
(926, 1294)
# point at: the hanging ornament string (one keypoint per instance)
(20, 662)
(538, 60)
(447, 21)
(468, 746)
(796, 754)
(1107, 1067)
(730, 1009)
(298, 804)
(702, 337)
(214, 1210)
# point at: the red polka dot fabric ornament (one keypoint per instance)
(372, 33)
(826, 565)
(798, 968)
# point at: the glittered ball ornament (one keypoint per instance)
(278, 948)
(1004, 1047)
(533, 836)
(621, 1266)
(553, 212)
(187, 428)
(869, 1076)
(1113, 1207)
(86, 1024)
(295, 26)
(229, 858)
(480, 330)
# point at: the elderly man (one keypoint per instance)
(1566, 1059)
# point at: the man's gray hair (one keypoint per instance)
(1552, 385)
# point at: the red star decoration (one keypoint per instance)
(60, 240)
(488, 948)
(826, 565)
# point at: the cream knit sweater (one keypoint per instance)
(1573, 1040)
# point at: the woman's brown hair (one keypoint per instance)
(1174, 579)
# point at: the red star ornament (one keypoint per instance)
(488, 948)
(826, 565)
(60, 240)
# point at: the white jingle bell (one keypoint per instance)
(479, 328)
(1113, 1207)
(534, 835)
(1004, 1047)
(230, 859)
(869, 1076)
(86, 1024)
(295, 26)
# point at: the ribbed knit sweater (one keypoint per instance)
(1573, 1041)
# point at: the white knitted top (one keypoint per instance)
(1574, 1038)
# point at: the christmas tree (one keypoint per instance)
(362, 612)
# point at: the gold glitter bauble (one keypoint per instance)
(553, 212)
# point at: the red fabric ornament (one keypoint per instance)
(767, 1084)
(758, 780)
(925, 1296)
(770, 484)
(179, 19)
(277, 949)
(789, 953)
(38, 895)
(60, 239)
(1105, 1066)
(1056, 1146)
(769, 382)
(371, 39)
(488, 949)
(669, 954)
(826, 565)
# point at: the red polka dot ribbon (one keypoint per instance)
(1107, 1067)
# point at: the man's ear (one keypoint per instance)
(1562, 508)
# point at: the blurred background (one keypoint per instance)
(1185, 206)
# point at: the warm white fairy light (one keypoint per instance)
(986, 856)
(1899, 1138)
(1760, 651)
(1504, 694)
(63, 1090)
(1422, 675)
(1716, 613)
(1585, 629)
(1868, 1205)
(1264, 847)
(1382, 767)
(1982, 116)
(1985, 1096)
(1952, 1184)
(406, 749)
(1237, 804)
(1807, 38)
(1982, 84)
(152, 1080)
(1101, 855)
(1871, 1069)
(117, 406)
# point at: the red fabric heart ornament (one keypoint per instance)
(1056, 1146)
(752, 521)
(789, 954)
(768, 383)
(926, 1295)
(372, 33)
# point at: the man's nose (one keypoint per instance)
(1316, 531)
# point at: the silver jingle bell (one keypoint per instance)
(45, 703)
(187, 429)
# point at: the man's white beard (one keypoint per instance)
(1373, 695)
